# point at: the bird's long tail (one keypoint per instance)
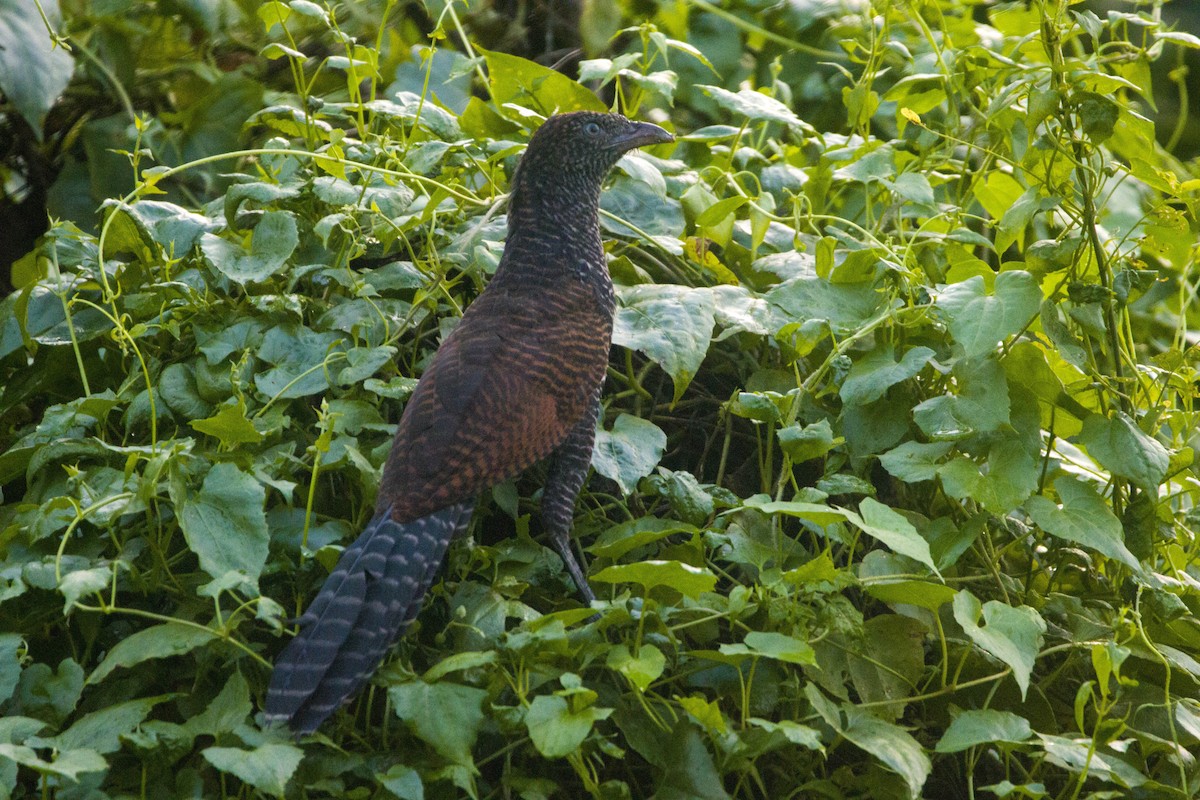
(375, 590)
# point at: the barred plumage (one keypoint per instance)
(516, 382)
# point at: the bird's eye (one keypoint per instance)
(591, 129)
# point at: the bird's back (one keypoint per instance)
(501, 392)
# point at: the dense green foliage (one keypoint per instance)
(895, 492)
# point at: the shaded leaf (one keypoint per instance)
(160, 641)
(267, 767)
(1013, 635)
(225, 525)
(1083, 518)
(447, 716)
(629, 452)
(669, 324)
(986, 726)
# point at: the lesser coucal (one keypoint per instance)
(516, 382)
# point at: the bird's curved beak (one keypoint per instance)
(643, 134)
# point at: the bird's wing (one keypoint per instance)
(501, 393)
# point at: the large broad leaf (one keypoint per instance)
(1083, 518)
(684, 578)
(805, 298)
(670, 324)
(102, 730)
(891, 744)
(877, 371)
(447, 716)
(10, 664)
(641, 669)
(979, 320)
(302, 359)
(225, 525)
(1125, 450)
(629, 452)
(273, 240)
(1081, 755)
(515, 80)
(169, 639)
(881, 522)
(1009, 477)
(776, 646)
(985, 726)
(266, 768)
(555, 729)
(755, 105)
(1013, 635)
(33, 71)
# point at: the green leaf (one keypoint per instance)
(33, 70)
(891, 744)
(301, 359)
(893, 530)
(688, 771)
(642, 669)
(804, 442)
(1008, 478)
(776, 646)
(670, 324)
(557, 731)
(230, 425)
(706, 712)
(981, 405)
(83, 581)
(1126, 450)
(979, 321)
(915, 461)
(403, 782)
(467, 659)
(877, 371)
(447, 716)
(794, 732)
(267, 767)
(10, 664)
(1084, 518)
(102, 730)
(719, 210)
(891, 664)
(816, 513)
(620, 539)
(225, 525)
(914, 187)
(845, 306)
(683, 578)
(629, 452)
(755, 105)
(272, 242)
(1079, 755)
(226, 711)
(888, 577)
(160, 641)
(67, 763)
(987, 726)
(1013, 635)
(1097, 113)
(512, 79)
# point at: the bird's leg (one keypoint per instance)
(568, 468)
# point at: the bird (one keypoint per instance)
(518, 381)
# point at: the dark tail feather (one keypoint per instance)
(373, 592)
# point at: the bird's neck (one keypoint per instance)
(553, 231)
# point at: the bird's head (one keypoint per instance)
(584, 145)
